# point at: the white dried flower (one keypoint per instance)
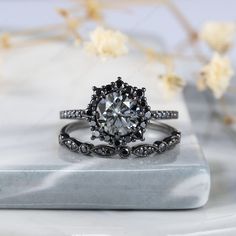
(107, 43)
(72, 23)
(93, 9)
(216, 75)
(5, 40)
(219, 35)
(172, 83)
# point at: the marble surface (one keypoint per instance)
(38, 173)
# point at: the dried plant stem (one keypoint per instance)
(163, 58)
(193, 38)
(43, 41)
(190, 31)
(199, 55)
(38, 30)
(192, 34)
(228, 118)
(36, 42)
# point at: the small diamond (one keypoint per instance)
(143, 124)
(139, 92)
(124, 152)
(127, 139)
(92, 123)
(95, 133)
(148, 114)
(84, 148)
(162, 147)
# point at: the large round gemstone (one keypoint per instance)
(117, 113)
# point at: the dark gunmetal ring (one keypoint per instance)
(140, 150)
(118, 113)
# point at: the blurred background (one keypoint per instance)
(139, 16)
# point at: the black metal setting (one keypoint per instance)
(108, 151)
(140, 108)
(122, 90)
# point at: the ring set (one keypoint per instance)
(119, 114)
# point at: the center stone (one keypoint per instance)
(118, 114)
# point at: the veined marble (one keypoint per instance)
(35, 172)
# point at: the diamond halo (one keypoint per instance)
(118, 113)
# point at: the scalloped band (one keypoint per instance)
(141, 150)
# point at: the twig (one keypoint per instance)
(191, 33)
(228, 118)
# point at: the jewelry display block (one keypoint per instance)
(36, 172)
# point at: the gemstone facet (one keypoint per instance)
(118, 113)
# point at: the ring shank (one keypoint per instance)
(142, 150)
(82, 114)
(155, 125)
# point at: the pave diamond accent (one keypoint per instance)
(140, 150)
(164, 115)
(118, 114)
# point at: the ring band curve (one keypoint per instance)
(82, 114)
(172, 138)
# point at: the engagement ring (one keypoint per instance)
(119, 114)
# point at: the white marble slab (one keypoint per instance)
(35, 172)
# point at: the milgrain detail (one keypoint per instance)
(82, 114)
(102, 150)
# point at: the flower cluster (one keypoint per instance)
(93, 10)
(216, 75)
(172, 83)
(219, 35)
(5, 41)
(107, 43)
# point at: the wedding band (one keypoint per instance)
(102, 150)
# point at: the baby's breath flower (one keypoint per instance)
(63, 12)
(172, 83)
(151, 54)
(72, 23)
(107, 43)
(219, 35)
(78, 41)
(201, 83)
(216, 75)
(229, 120)
(5, 41)
(93, 9)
